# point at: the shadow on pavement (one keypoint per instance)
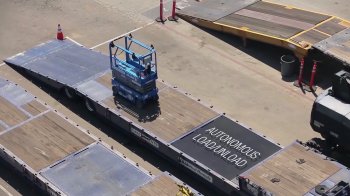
(271, 55)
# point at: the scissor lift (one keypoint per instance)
(134, 74)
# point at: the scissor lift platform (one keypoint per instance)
(168, 127)
(285, 26)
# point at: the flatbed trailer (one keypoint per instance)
(62, 158)
(292, 28)
(214, 147)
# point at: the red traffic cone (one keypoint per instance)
(59, 32)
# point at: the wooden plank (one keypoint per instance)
(174, 115)
(312, 160)
(291, 171)
(340, 53)
(260, 26)
(34, 107)
(287, 12)
(44, 140)
(311, 37)
(295, 178)
(263, 177)
(10, 114)
(162, 185)
(331, 27)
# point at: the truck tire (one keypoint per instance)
(89, 106)
(329, 139)
(156, 98)
(139, 104)
(115, 91)
(70, 93)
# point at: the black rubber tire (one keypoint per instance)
(139, 104)
(70, 94)
(156, 98)
(115, 91)
(329, 139)
(89, 106)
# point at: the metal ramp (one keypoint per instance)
(63, 61)
(295, 29)
(95, 171)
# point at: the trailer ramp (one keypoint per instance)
(295, 29)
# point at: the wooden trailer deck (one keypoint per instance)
(337, 47)
(174, 114)
(156, 187)
(55, 153)
(289, 27)
(295, 170)
(44, 140)
(34, 132)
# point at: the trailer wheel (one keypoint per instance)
(329, 139)
(115, 91)
(139, 104)
(89, 105)
(156, 98)
(70, 94)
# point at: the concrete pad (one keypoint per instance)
(29, 23)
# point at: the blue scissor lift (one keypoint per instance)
(134, 75)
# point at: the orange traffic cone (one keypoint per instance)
(59, 32)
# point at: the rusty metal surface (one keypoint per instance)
(214, 10)
(275, 19)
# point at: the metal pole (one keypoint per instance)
(313, 74)
(300, 78)
(161, 18)
(173, 16)
(161, 10)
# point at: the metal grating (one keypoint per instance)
(96, 171)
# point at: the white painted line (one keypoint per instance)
(8, 193)
(98, 45)
(74, 41)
